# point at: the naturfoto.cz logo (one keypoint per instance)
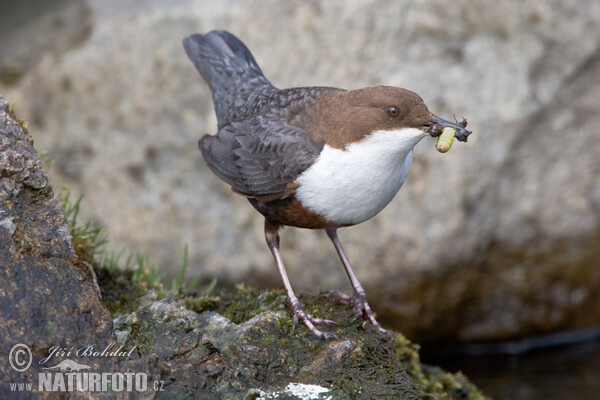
(70, 376)
(92, 381)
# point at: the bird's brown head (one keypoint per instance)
(347, 116)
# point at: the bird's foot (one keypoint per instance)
(361, 307)
(299, 314)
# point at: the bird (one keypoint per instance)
(308, 157)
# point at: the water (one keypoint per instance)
(560, 373)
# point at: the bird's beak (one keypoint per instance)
(437, 125)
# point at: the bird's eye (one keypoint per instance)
(392, 111)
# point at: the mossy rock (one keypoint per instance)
(243, 345)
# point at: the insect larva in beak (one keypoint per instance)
(445, 140)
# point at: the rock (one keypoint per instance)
(51, 311)
(49, 297)
(496, 239)
(260, 356)
(46, 296)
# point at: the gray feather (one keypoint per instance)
(256, 163)
(235, 79)
(262, 144)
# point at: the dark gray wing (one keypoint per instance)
(260, 158)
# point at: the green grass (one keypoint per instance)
(88, 240)
(143, 270)
(179, 288)
(90, 243)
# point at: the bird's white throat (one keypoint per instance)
(352, 185)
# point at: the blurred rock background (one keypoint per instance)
(498, 239)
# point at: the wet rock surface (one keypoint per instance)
(238, 345)
(262, 356)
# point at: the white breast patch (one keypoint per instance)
(352, 185)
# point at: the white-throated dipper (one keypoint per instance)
(309, 157)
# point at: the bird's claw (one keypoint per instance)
(360, 306)
(299, 314)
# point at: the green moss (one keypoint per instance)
(407, 353)
(145, 338)
(432, 381)
(246, 302)
(201, 303)
(24, 124)
(119, 293)
(270, 352)
(396, 359)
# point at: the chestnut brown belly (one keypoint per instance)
(290, 212)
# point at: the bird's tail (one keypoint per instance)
(230, 70)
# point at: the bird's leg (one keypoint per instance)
(359, 300)
(298, 312)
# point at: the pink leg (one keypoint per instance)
(298, 312)
(359, 300)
